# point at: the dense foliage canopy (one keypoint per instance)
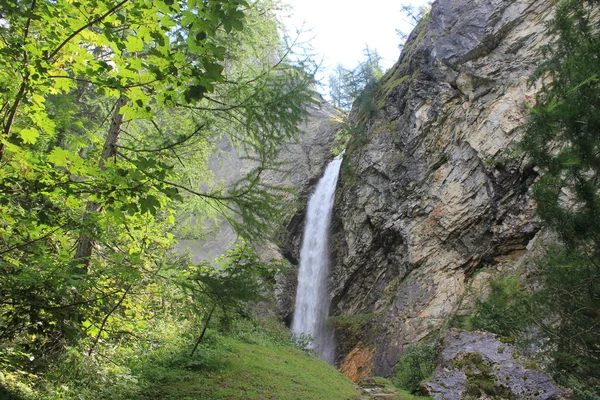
(109, 114)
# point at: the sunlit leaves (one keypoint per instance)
(134, 44)
(62, 158)
(29, 135)
(116, 46)
(187, 76)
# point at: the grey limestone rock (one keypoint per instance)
(478, 365)
(435, 193)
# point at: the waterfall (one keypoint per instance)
(312, 299)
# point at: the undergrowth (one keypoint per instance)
(556, 323)
(255, 359)
(505, 311)
(415, 366)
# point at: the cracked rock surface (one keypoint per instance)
(478, 365)
(435, 192)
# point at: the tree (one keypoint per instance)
(415, 15)
(563, 138)
(563, 131)
(239, 278)
(86, 215)
(346, 85)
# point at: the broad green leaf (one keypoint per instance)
(29, 135)
(134, 44)
(149, 204)
(62, 158)
(214, 71)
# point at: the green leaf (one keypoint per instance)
(194, 93)
(188, 18)
(134, 44)
(214, 71)
(29, 135)
(61, 157)
(149, 204)
(227, 25)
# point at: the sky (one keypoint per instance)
(341, 29)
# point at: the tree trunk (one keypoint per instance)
(204, 329)
(85, 242)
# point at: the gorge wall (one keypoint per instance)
(434, 198)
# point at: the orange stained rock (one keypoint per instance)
(358, 364)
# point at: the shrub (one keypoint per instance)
(570, 300)
(415, 366)
(506, 310)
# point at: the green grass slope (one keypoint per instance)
(249, 362)
(255, 371)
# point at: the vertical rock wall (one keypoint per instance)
(437, 192)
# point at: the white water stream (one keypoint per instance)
(312, 299)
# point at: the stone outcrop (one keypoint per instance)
(479, 365)
(435, 191)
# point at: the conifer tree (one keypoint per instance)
(563, 134)
(563, 138)
(346, 85)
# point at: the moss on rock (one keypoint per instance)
(481, 381)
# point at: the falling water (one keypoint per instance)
(312, 300)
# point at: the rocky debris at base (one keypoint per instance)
(376, 388)
(479, 365)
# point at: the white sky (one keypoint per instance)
(340, 29)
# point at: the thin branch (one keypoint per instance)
(31, 241)
(191, 191)
(105, 320)
(204, 329)
(166, 146)
(89, 24)
(79, 303)
(26, 33)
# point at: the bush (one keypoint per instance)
(415, 366)
(506, 310)
(570, 298)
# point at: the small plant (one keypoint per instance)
(480, 379)
(415, 366)
(350, 323)
(506, 310)
(303, 341)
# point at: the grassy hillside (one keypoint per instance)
(248, 362)
(255, 371)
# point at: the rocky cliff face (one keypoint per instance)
(435, 193)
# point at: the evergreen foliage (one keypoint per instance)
(348, 85)
(568, 311)
(562, 134)
(415, 15)
(563, 139)
(505, 311)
